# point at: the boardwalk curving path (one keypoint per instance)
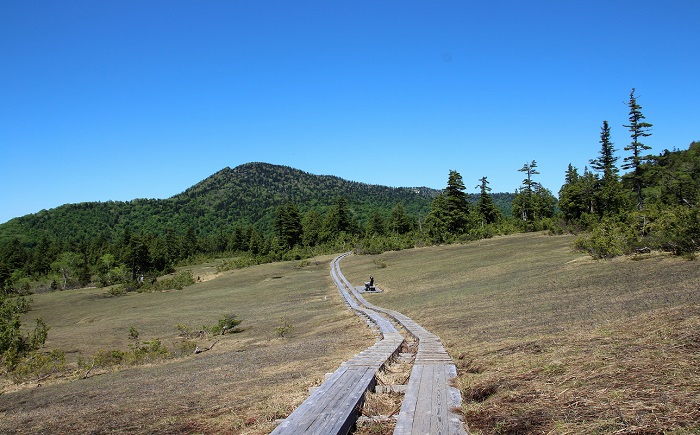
(429, 401)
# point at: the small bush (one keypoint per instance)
(284, 328)
(187, 347)
(179, 281)
(117, 290)
(226, 324)
(608, 239)
(149, 351)
(241, 262)
(380, 263)
(39, 365)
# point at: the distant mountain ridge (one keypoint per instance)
(247, 195)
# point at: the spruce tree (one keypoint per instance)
(605, 163)
(311, 227)
(571, 195)
(524, 197)
(456, 204)
(638, 129)
(609, 197)
(376, 226)
(436, 222)
(485, 205)
(288, 225)
(400, 222)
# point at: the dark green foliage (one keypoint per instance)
(449, 212)
(533, 202)
(14, 344)
(257, 212)
(226, 325)
(669, 220)
(311, 228)
(609, 238)
(572, 201)
(486, 208)
(638, 129)
(288, 225)
(523, 203)
(339, 220)
(400, 222)
(676, 229)
(376, 225)
(673, 177)
(436, 222)
(456, 205)
(605, 163)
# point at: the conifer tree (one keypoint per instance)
(605, 163)
(609, 197)
(638, 129)
(485, 205)
(571, 196)
(376, 225)
(456, 204)
(288, 225)
(311, 227)
(524, 198)
(436, 221)
(400, 222)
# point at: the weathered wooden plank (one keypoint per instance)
(439, 417)
(331, 405)
(304, 415)
(424, 404)
(404, 424)
(338, 422)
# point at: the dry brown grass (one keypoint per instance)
(242, 385)
(545, 339)
(549, 341)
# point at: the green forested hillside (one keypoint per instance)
(256, 208)
(245, 195)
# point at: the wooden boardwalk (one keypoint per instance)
(429, 401)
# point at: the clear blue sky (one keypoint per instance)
(116, 100)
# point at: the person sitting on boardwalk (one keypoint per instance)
(369, 286)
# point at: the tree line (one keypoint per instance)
(654, 205)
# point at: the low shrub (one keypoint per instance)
(38, 366)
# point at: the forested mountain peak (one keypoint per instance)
(247, 194)
(283, 180)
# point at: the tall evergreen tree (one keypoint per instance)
(436, 222)
(256, 244)
(312, 224)
(376, 225)
(399, 223)
(338, 220)
(525, 197)
(288, 225)
(487, 209)
(190, 242)
(638, 129)
(456, 204)
(609, 196)
(571, 201)
(605, 163)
